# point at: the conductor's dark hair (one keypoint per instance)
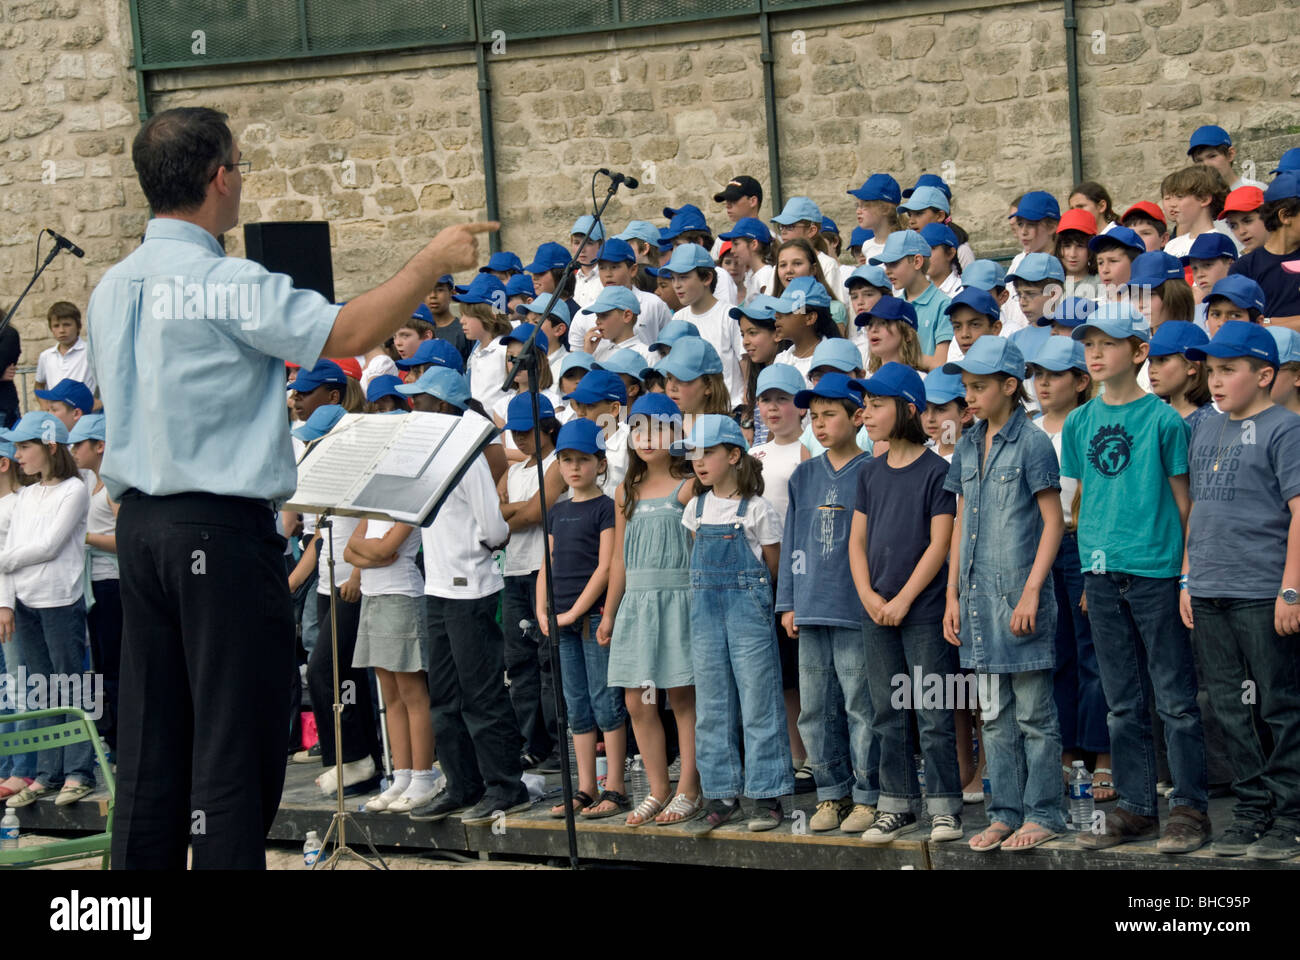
(176, 155)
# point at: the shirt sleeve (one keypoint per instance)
(861, 505)
(605, 514)
(952, 480)
(763, 521)
(278, 320)
(1173, 443)
(942, 326)
(1285, 456)
(1042, 472)
(940, 500)
(485, 505)
(1069, 450)
(688, 515)
(49, 539)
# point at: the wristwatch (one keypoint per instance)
(1290, 596)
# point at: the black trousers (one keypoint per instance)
(357, 721)
(478, 742)
(528, 664)
(207, 644)
(104, 623)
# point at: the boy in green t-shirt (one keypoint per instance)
(1128, 450)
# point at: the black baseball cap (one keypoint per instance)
(737, 188)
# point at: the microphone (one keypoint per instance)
(630, 182)
(65, 244)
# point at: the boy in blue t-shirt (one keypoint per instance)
(819, 605)
(1128, 450)
(1244, 617)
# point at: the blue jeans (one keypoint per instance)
(835, 713)
(584, 666)
(18, 764)
(52, 641)
(892, 653)
(1142, 645)
(1236, 643)
(1023, 745)
(1080, 704)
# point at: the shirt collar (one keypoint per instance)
(1010, 430)
(927, 295)
(169, 228)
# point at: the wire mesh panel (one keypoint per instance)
(557, 18)
(652, 11)
(360, 24)
(206, 31)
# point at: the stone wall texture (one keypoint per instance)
(389, 148)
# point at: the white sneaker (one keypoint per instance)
(381, 803)
(358, 771)
(409, 800)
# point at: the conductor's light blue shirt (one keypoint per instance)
(188, 346)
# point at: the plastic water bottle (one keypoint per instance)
(9, 831)
(638, 782)
(1080, 797)
(311, 849)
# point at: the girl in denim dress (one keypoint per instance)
(1008, 530)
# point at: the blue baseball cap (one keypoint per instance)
(990, 355)
(1117, 236)
(624, 360)
(1284, 187)
(422, 311)
(1036, 268)
(519, 411)
(615, 250)
(929, 180)
(675, 329)
(1174, 336)
(1060, 353)
(654, 406)
(7, 449)
(828, 226)
(670, 212)
(981, 301)
(1288, 347)
(836, 352)
(687, 257)
(549, 256)
(1037, 205)
(1154, 267)
(91, 426)
(434, 352)
(73, 393)
(1238, 338)
(901, 243)
(539, 304)
(582, 435)
(1241, 290)
(384, 385)
(940, 235)
(1208, 136)
(832, 386)
(897, 380)
(597, 386)
(803, 293)
(588, 222)
(749, 228)
(878, 186)
(503, 261)
(709, 430)
(798, 209)
(446, 279)
(780, 376)
(576, 360)
(614, 298)
(321, 422)
(758, 307)
(985, 274)
(441, 382)
(642, 230)
(520, 285)
(484, 288)
(872, 274)
(687, 219)
(1118, 320)
(889, 308)
(1068, 312)
(325, 372)
(859, 236)
(1208, 246)
(1290, 161)
(941, 388)
(925, 198)
(521, 333)
(39, 425)
(691, 358)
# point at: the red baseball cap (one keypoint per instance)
(1081, 220)
(1243, 200)
(1147, 208)
(349, 366)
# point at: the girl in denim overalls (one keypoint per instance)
(1008, 530)
(733, 636)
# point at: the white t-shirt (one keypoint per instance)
(725, 288)
(717, 327)
(1181, 244)
(873, 248)
(486, 368)
(1246, 182)
(802, 364)
(100, 520)
(458, 563)
(761, 523)
(951, 285)
(654, 315)
(7, 503)
(779, 461)
(556, 360)
(502, 409)
(615, 460)
(586, 286)
(523, 554)
(379, 366)
(760, 281)
(53, 366)
(965, 255)
(634, 343)
(401, 577)
(342, 530)
(1068, 484)
(44, 557)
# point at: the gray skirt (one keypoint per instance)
(393, 634)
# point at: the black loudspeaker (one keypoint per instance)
(299, 248)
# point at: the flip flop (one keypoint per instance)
(1044, 836)
(997, 826)
(620, 801)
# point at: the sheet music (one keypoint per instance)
(414, 447)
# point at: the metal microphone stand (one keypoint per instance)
(27, 289)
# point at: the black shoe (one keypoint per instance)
(1236, 840)
(487, 809)
(803, 779)
(439, 808)
(716, 813)
(766, 815)
(550, 765)
(1280, 843)
(527, 761)
(888, 827)
(311, 755)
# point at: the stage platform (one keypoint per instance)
(533, 836)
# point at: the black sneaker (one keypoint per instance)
(1236, 839)
(890, 826)
(803, 779)
(716, 813)
(550, 765)
(766, 815)
(439, 808)
(487, 809)
(1279, 843)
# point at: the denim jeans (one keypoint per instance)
(528, 665)
(835, 713)
(893, 652)
(584, 666)
(18, 764)
(53, 641)
(1236, 643)
(1023, 745)
(1142, 644)
(1080, 703)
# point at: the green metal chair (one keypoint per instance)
(76, 728)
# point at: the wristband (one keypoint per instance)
(1182, 582)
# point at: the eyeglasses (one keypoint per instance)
(244, 166)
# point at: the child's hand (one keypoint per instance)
(605, 632)
(565, 619)
(952, 621)
(1286, 617)
(787, 623)
(1025, 615)
(6, 624)
(349, 591)
(874, 603)
(543, 622)
(591, 341)
(1185, 609)
(1083, 602)
(893, 612)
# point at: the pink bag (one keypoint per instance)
(310, 736)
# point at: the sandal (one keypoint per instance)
(681, 809)
(71, 793)
(1040, 834)
(583, 800)
(1103, 783)
(620, 801)
(1000, 831)
(645, 812)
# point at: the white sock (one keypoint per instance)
(401, 780)
(422, 781)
